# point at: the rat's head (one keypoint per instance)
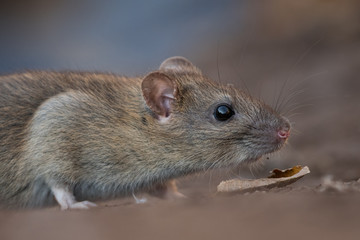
(223, 124)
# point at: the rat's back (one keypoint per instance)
(21, 95)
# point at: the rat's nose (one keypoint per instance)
(284, 133)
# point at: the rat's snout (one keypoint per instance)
(284, 131)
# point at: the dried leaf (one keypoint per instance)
(277, 173)
(275, 180)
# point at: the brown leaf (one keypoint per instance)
(251, 185)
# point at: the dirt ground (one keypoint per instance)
(294, 213)
(311, 50)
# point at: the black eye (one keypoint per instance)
(223, 112)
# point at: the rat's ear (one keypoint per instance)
(159, 92)
(178, 64)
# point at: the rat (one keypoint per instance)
(78, 137)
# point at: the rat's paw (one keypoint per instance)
(79, 205)
(66, 199)
(173, 195)
(168, 191)
(171, 191)
(139, 200)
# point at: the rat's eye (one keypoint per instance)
(223, 112)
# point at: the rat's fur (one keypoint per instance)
(95, 133)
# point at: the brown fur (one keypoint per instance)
(95, 134)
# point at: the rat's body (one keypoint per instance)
(89, 136)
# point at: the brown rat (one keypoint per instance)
(86, 136)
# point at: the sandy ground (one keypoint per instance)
(318, 62)
(291, 213)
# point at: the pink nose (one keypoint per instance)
(283, 134)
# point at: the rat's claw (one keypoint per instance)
(80, 205)
(174, 195)
(139, 200)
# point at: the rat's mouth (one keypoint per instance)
(262, 154)
(265, 151)
(252, 160)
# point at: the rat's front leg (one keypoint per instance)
(168, 190)
(67, 200)
(172, 190)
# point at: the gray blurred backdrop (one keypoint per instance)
(128, 37)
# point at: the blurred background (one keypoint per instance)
(303, 55)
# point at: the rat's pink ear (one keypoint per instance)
(159, 92)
